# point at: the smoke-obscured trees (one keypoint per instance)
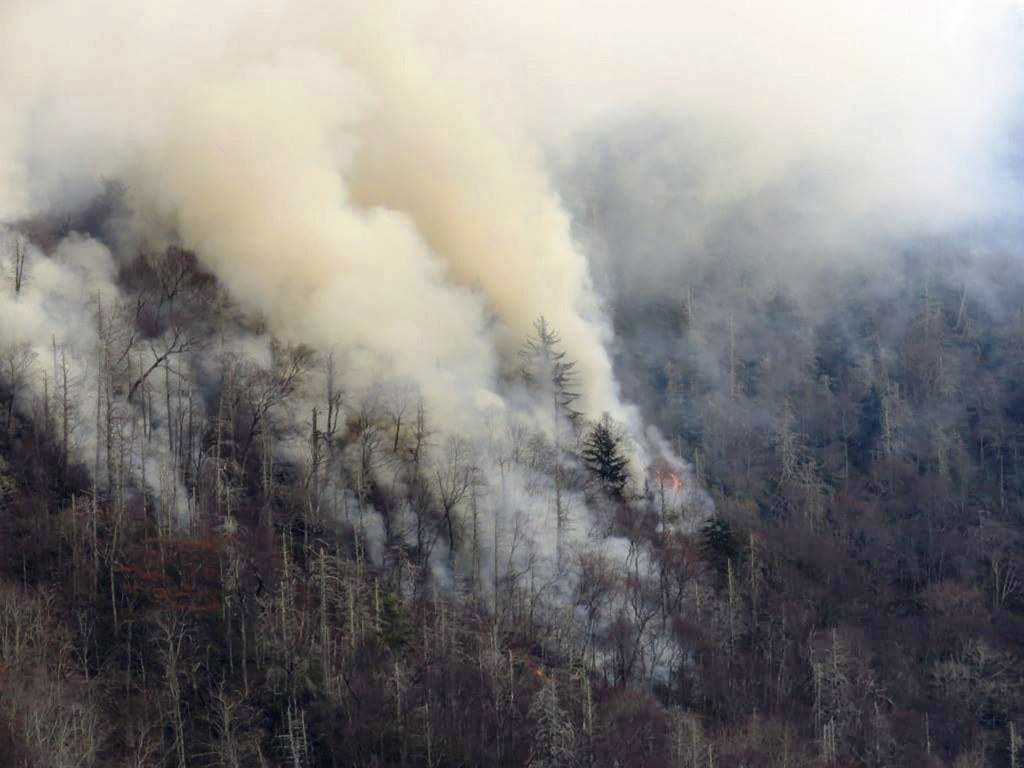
(546, 368)
(357, 583)
(17, 261)
(552, 378)
(16, 364)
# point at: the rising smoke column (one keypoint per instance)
(376, 177)
(327, 166)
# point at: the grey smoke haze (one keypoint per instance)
(410, 184)
(382, 177)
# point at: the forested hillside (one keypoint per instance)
(547, 384)
(214, 556)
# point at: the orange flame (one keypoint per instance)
(668, 479)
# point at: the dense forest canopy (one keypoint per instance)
(431, 384)
(368, 595)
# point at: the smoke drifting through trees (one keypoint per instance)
(386, 179)
(268, 271)
(303, 163)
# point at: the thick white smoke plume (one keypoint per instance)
(373, 176)
(380, 180)
(330, 172)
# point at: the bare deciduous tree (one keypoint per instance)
(17, 258)
(454, 477)
(16, 362)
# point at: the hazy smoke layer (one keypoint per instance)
(375, 176)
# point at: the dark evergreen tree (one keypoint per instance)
(832, 354)
(869, 428)
(602, 455)
(717, 542)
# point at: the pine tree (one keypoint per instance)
(547, 370)
(545, 366)
(602, 455)
(717, 542)
(869, 428)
